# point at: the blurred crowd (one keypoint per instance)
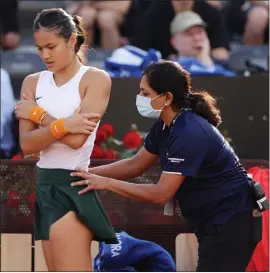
(196, 33)
(173, 27)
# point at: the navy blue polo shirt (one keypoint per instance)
(216, 186)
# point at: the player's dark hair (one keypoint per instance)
(62, 23)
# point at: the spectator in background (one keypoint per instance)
(217, 3)
(153, 31)
(135, 13)
(108, 15)
(190, 40)
(10, 37)
(7, 109)
(249, 20)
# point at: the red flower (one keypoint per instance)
(132, 140)
(17, 157)
(104, 131)
(111, 154)
(108, 128)
(97, 152)
(100, 136)
(13, 199)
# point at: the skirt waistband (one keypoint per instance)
(55, 176)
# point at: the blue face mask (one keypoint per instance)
(145, 108)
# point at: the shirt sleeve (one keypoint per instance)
(186, 153)
(7, 101)
(9, 16)
(152, 139)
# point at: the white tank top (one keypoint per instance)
(61, 102)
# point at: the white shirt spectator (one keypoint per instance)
(7, 108)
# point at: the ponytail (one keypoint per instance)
(204, 105)
(81, 37)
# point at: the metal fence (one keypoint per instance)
(142, 220)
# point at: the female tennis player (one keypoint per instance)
(59, 112)
(199, 169)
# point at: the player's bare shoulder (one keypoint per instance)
(97, 78)
(31, 78)
(30, 83)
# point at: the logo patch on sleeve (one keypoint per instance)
(176, 160)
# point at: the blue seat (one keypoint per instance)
(249, 58)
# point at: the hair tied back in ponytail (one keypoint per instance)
(206, 106)
(64, 25)
(189, 96)
(76, 19)
(81, 37)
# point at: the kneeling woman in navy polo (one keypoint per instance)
(200, 169)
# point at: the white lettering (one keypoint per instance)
(175, 160)
(116, 248)
(35, 113)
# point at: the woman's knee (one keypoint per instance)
(257, 19)
(107, 19)
(10, 40)
(89, 16)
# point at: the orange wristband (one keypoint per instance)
(58, 129)
(36, 113)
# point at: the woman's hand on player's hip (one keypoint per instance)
(90, 181)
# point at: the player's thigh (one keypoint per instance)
(70, 244)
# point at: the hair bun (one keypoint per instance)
(77, 19)
(80, 32)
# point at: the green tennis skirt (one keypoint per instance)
(55, 197)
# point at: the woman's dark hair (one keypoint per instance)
(168, 76)
(61, 22)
